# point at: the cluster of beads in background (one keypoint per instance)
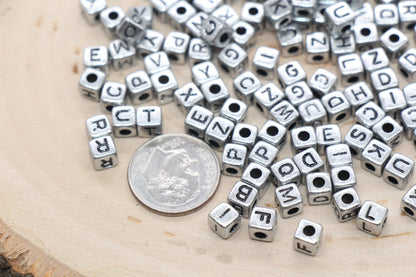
(361, 40)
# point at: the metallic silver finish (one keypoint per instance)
(139, 87)
(257, 176)
(103, 152)
(408, 203)
(285, 114)
(244, 34)
(313, 113)
(278, 13)
(338, 155)
(110, 19)
(160, 8)
(317, 47)
(234, 110)
(375, 156)
(290, 39)
(146, 13)
(164, 84)
(194, 24)
(91, 82)
(290, 73)
(122, 54)
(265, 62)
(243, 197)
(149, 121)
(394, 43)
(408, 121)
(366, 36)
(298, 93)
(288, 200)
(323, 81)
(245, 85)
(262, 224)
(234, 158)
(371, 218)
(224, 220)
(233, 59)
(112, 94)
(407, 14)
(273, 133)
(206, 6)
(407, 64)
(346, 204)
(392, 101)
(216, 32)
(173, 174)
(197, 121)
(357, 139)
(343, 177)
(398, 170)
(124, 121)
(327, 135)
(179, 13)
(286, 171)
(369, 114)
(337, 106)
(308, 161)
(199, 51)
(410, 94)
(156, 62)
(375, 59)
(302, 138)
(133, 26)
(319, 188)
(357, 95)
(308, 237)
(253, 13)
(91, 10)
(263, 153)
(386, 16)
(266, 97)
(204, 72)
(188, 96)
(176, 46)
(245, 134)
(351, 69)
(364, 14)
(218, 132)
(215, 93)
(96, 57)
(98, 126)
(342, 45)
(226, 14)
(339, 19)
(303, 9)
(151, 42)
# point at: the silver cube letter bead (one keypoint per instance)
(262, 224)
(388, 131)
(110, 19)
(289, 200)
(253, 13)
(233, 59)
(369, 114)
(91, 82)
(160, 7)
(338, 155)
(290, 73)
(197, 120)
(206, 6)
(313, 113)
(366, 36)
(386, 16)
(407, 64)
(327, 135)
(394, 43)
(244, 134)
(408, 203)
(199, 51)
(91, 10)
(407, 14)
(265, 62)
(215, 93)
(298, 93)
(375, 59)
(103, 152)
(266, 97)
(257, 176)
(339, 19)
(308, 237)
(98, 126)
(96, 57)
(188, 96)
(164, 84)
(216, 32)
(337, 106)
(285, 114)
(263, 153)
(124, 121)
(341, 45)
(323, 81)
(234, 159)
(392, 101)
(156, 62)
(234, 110)
(278, 13)
(357, 139)
(218, 132)
(122, 54)
(149, 121)
(343, 177)
(273, 133)
(410, 94)
(146, 13)
(224, 220)
(244, 34)
(398, 170)
(319, 188)
(194, 24)
(179, 13)
(357, 95)
(176, 45)
(204, 72)
(112, 94)
(303, 9)
(290, 39)
(351, 69)
(308, 161)
(346, 204)
(226, 14)
(317, 47)
(243, 198)
(286, 171)
(139, 87)
(364, 14)
(408, 121)
(384, 79)
(133, 26)
(302, 138)
(375, 156)
(372, 217)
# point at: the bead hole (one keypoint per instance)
(318, 182)
(353, 152)
(224, 38)
(347, 198)
(173, 57)
(255, 173)
(91, 78)
(260, 235)
(388, 127)
(309, 230)
(303, 13)
(409, 211)
(144, 96)
(253, 11)
(113, 15)
(352, 79)
(394, 38)
(125, 132)
(304, 136)
(262, 72)
(293, 49)
(234, 228)
(284, 21)
(181, 10)
(293, 211)
(213, 143)
(346, 28)
(392, 180)
(214, 89)
(241, 30)
(193, 132)
(318, 58)
(343, 175)
(234, 107)
(245, 132)
(370, 167)
(231, 170)
(365, 32)
(340, 117)
(272, 131)
(163, 79)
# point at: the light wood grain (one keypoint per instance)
(72, 216)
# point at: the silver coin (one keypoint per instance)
(174, 174)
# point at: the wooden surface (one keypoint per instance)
(62, 217)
